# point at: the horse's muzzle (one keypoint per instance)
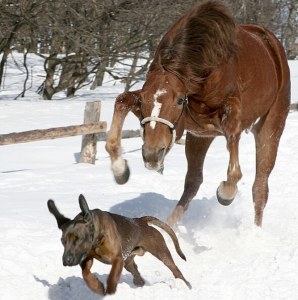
(153, 160)
(158, 167)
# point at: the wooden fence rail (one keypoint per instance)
(91, 127)
(126, 134)
(92, 131)
(294, 106)
(51, 133)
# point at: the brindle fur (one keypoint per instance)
(235, 78)
(112, 239)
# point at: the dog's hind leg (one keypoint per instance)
(93, 283)
(131, 267)
(156, 245)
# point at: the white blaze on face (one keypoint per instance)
(157, 106)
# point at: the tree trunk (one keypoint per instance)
(48, 85)
(132, 71)
(291, 30)
(3, 63)
(100, 73)
(6, 49)
(27, 73)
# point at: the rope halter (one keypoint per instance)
(171, 125)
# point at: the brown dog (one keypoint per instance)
(115, 240)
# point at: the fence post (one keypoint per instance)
(89, 141)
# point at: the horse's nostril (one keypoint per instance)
(153, 156)
(144, 153)
(161, 153)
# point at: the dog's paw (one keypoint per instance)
(182, 229)
(179, 284)
(139, 282)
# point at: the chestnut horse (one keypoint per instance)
(210, 77)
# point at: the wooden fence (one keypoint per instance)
(294, 106)
(91, 127)
(92, 131)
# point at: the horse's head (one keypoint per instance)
(163, 98)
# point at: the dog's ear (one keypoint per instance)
(61, 220)
(84, 208)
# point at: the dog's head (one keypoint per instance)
(77, 234)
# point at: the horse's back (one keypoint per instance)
(274, 52)
(263, 70)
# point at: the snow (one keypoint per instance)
(227, 256)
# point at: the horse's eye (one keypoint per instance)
(180, 101)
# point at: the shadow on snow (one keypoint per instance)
(200, 214)
(75, 288)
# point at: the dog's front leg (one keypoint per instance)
(117, 267)
(93, 283)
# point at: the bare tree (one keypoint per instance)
(80, 41)
(16, 17)
(288, 25)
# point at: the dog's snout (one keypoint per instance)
(68, 260)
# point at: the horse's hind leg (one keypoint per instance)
(195, 150)
(267, 134)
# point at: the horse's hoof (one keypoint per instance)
(175, 216)
(123, 178)
(226, 193)
(222, 200)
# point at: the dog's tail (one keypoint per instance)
(168, 230)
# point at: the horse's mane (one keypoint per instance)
(198, 42)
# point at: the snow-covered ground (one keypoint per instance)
(227, 257)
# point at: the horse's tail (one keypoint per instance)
(168, 230)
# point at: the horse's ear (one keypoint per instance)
(84, 208)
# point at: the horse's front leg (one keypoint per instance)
(231, 126)
(195, 150)
(227, 190)
(128, 101)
